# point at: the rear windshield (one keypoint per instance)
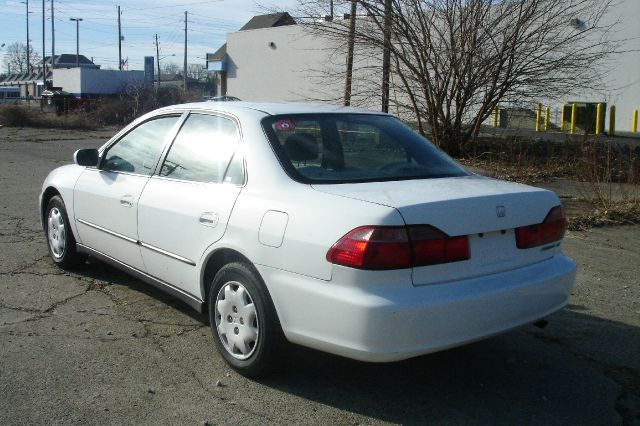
(340, 148)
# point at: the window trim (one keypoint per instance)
(291, 171)
(168, 138)
(239, 142)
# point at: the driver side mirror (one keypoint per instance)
(86, 157)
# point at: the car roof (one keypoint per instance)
(270, 108)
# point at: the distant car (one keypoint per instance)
(334, 228)
(222, 99)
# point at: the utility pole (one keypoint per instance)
(77, 21)
(350, 44)
(44, 64)
(184, 71)
(158, 59)
(119, 42)
(331, 9)
(386, 55)
(28, 50)
(26, 2)
(53, 38)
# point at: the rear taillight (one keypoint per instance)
(397, 247)
(372, 247)
(431, 246)
(550, 230)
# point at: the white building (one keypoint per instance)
(31, 83)
(622, 84)
(91, 82)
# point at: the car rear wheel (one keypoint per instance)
(60, 239)
(243, 320)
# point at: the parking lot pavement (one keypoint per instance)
(96, 346)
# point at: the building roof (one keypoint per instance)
(67, 60)
(22, 78)
(257, 22)
(269, 21)
(218, 55)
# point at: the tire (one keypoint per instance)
(60, 240)
(244, 323)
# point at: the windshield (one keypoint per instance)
(340, 148)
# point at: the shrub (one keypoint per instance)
(15, 116)
(21, 116)
(127, 107)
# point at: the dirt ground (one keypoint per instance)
(97, 346)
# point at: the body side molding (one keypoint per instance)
(140, 243)
(191, 300)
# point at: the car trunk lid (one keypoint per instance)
(486, 210)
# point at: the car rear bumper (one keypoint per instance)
(392, 322)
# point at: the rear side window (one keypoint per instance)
(203, 150)
(138, 151)
(339, 148)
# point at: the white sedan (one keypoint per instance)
(334, 228)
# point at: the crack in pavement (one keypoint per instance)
(203, 386)
(627, 378)
(41, 313)
(22, 268)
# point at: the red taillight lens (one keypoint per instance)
(550, 230)
(431, 246)
(372, 247)
(394, 247)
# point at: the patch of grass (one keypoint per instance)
(624, 213)
(522, 172)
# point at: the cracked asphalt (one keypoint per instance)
(97, 346)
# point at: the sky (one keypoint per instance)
(208, 23)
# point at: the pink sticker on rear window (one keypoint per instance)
(285, 126)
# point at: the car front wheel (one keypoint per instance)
(243, 320)
(60, 240)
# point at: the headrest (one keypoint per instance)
(301, 147)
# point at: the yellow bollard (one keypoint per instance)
(495, 116)
(547, 112)
(574, 113)
(598, 118)
(562, 119)
(634, 121)
(538, 114)
(612, 120)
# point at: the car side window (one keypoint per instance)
(138, 151)
(202, 151)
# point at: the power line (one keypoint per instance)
(119, 41)
(184, 72)
(179, 5)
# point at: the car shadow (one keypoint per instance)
(573, 371)
(98, 270)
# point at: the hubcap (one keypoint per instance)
(56, 232)
(236, 320)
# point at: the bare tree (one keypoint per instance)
(454, 60)
(197, 72)
(171, 68)
(16, 57)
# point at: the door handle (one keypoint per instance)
(209, 219)
(126, 201)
